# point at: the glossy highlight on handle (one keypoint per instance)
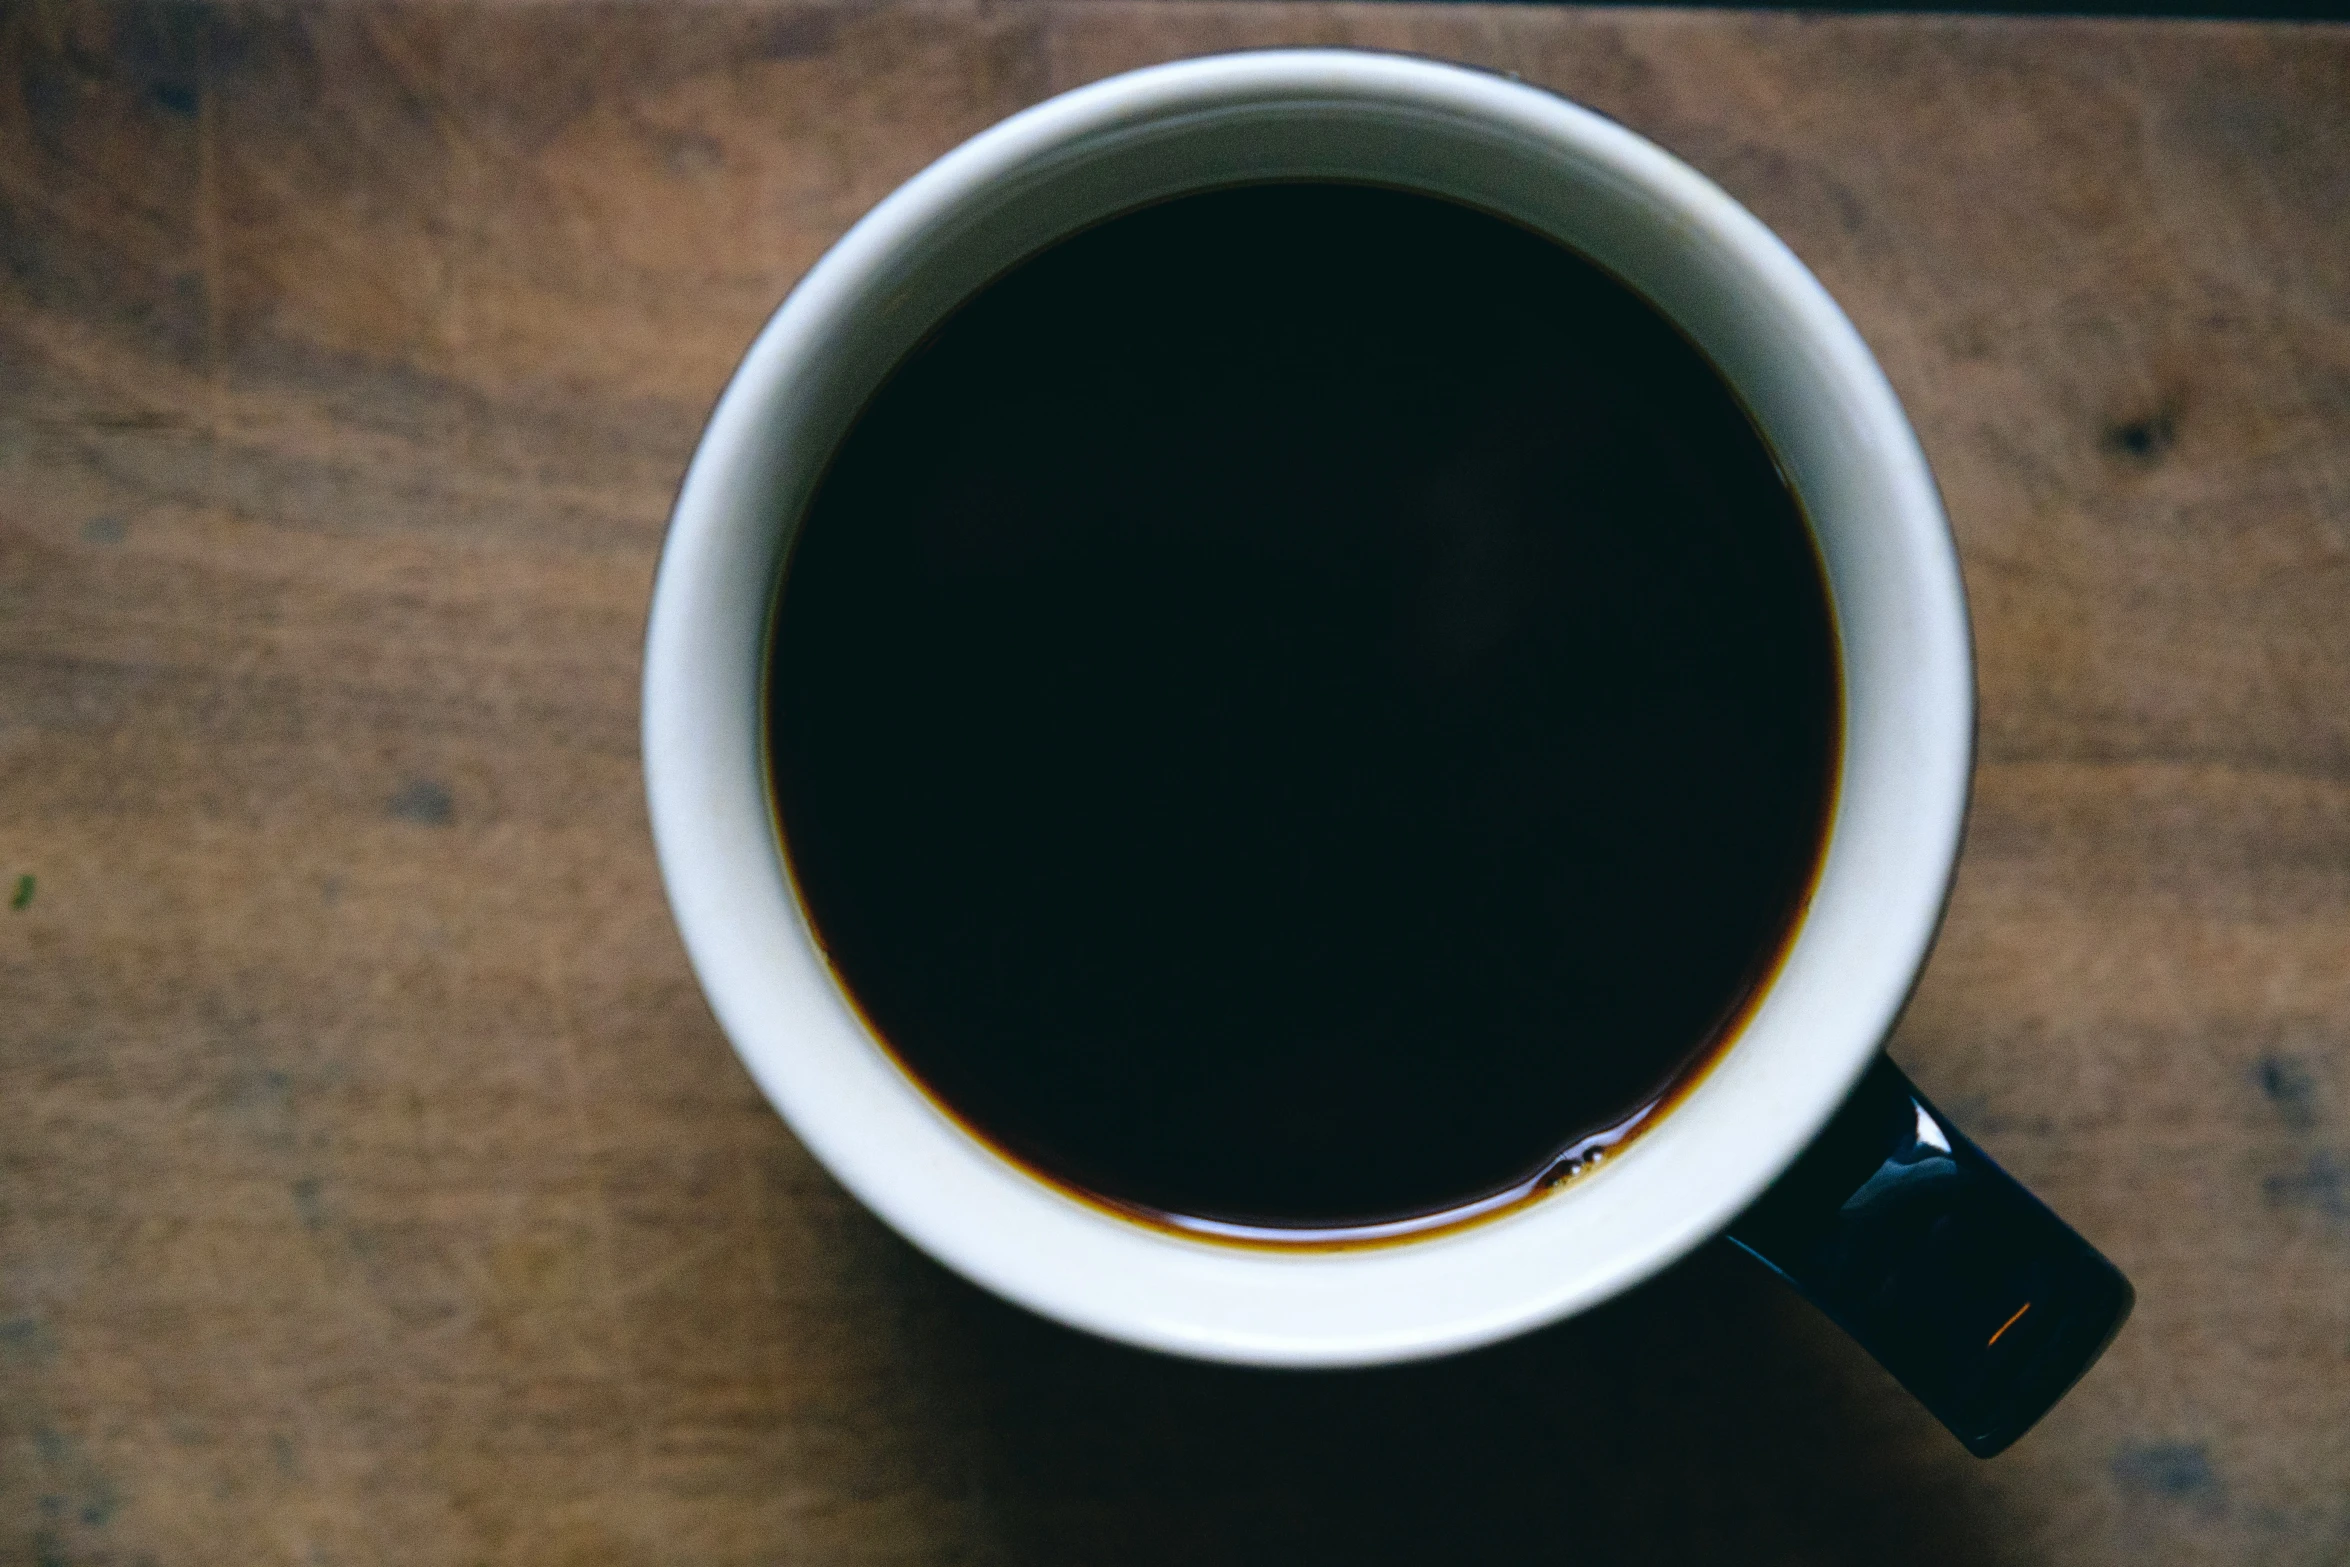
(1980, 1301)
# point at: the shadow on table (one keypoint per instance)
(1706, 1417)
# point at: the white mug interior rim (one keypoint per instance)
(1734, 287)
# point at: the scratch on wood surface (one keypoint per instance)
(208, 234)
(611, 1297)
(2282, 276)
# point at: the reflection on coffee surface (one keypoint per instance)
(1303, 706)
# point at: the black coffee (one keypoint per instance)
(1301, 706)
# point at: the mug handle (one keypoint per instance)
(1979, 1300)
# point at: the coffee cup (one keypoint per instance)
(1798, 1139)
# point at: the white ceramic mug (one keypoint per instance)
(1826, 411)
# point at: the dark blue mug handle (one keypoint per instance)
(1979, 1300)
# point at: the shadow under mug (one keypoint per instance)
(1802, 1142)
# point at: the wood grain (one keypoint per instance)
(374, 1186)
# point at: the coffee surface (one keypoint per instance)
(1301, 706)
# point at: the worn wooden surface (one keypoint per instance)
(374, 1186)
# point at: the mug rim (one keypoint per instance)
(1886, 861)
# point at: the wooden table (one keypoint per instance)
(374, 1186)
